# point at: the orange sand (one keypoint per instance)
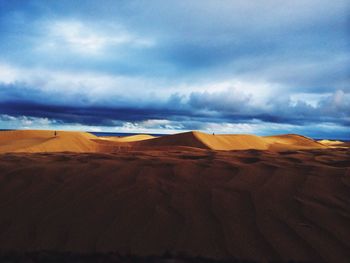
(331, 142)
(45, 141)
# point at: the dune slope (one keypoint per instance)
(46, 141)
(232, 141)
(292, 141)
(189, 139)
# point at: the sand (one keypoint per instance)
(229, 142)
(331, 142)
(131, 138)
(188, 193)
(46, 141)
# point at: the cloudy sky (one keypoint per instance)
(229, 66)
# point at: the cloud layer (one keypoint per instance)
(262, 67)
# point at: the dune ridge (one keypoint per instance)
(45, 141)
(131, 138)
(229, 142)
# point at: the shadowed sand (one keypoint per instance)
(264, 198)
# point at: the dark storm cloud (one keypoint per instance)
(226, 106)
(105, 116)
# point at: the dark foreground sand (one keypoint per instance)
(259, 205)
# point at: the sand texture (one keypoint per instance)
(180, 195)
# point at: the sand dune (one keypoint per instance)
(45, 141)
(189, 139)
(234, 142)
(252, 204)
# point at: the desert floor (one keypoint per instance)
(286, 200)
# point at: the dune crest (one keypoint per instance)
(46, 141)
(131, 138)
(229, 142)
(331, 142)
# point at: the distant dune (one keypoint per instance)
(131, 138)
(228, 142)
(46, 141)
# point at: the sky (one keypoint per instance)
(157, 66)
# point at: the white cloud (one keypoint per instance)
(25, 122)
(88, 39)
(98, 87)
(8, 74)
(339, 98)
(63, 85)
(311, 98)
